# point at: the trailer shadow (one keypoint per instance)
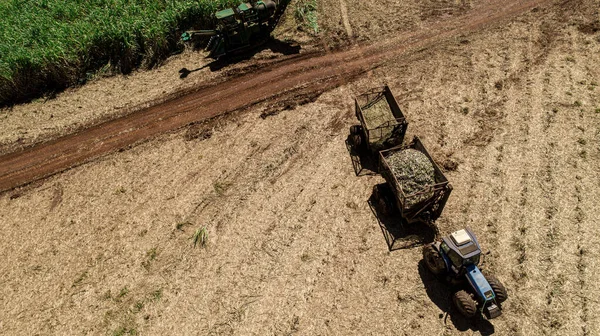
(397, 232)
(275, 45)
(440, 294)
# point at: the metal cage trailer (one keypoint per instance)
(425, 205)
(382, 124)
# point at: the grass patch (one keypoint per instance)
(179, 226)
(306, 15)
(150, 257)
(48, 45)
(157, 295)
(122, 331)
(221, 187)
(200, 237)
(124, 291)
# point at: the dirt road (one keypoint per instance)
(315, 73)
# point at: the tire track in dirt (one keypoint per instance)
(345, 20)
(582, 262)
(543, 239)
(585, 207)
(552, 267)
(521, 181)
(322, 73)
(570, 240)
(511, 162)
(551, 263)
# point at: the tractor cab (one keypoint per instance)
(462, 249)
(226, 16)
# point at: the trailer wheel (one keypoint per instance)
(356, 136)
(433, 260)
(356, 140)
(498, 288)
(382, 203)
(465, 304)
(355, 129)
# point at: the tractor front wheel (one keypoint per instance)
(498, 288)
(433, 260)
(465, 303)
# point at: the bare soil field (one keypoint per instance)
(510, 110)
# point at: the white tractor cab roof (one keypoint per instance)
(460, 237)
(464, 243)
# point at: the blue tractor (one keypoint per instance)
(455, 258)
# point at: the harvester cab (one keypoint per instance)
(457, 257)
(240, 27)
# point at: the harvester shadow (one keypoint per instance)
(275, 45)
(397, 232)
(362, 162)
(440, 293)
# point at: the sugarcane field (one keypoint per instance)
(300, 167)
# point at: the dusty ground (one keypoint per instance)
(293, 247)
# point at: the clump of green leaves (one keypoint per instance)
(221, 187)
(306, 15)
(200, 237)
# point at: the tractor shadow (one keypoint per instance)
(397, 232)
(362, 161)
(275, 45)
(440, 293)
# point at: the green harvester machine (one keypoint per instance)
(240, 28)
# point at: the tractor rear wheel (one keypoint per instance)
(498, 288)
(465, 304)
(433, 260)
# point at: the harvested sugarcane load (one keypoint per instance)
(419, 188)
(378, 115)
(414, 172)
